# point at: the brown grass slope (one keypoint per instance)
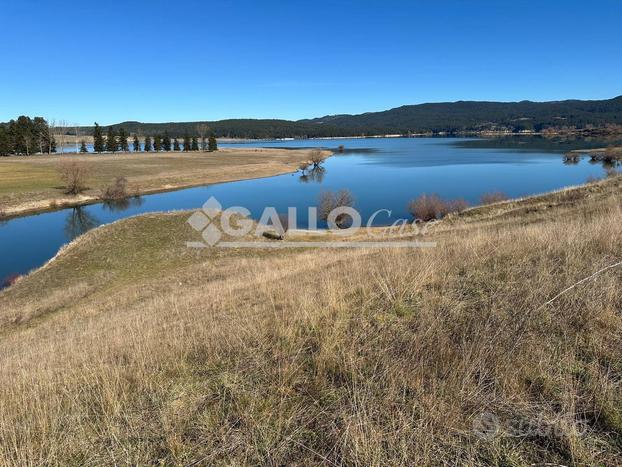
(131, 348)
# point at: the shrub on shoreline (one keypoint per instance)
(429, 207)
(116, 191)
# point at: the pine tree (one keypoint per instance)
(111, 140)
(98, 139)
(175, 145)
(136, 144)
(187, 143)
(123, 146)
(195, 144)
(147, 144)
(212, 145)
(83, 148)
(157, 143)
(166, 142)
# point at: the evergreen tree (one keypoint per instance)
(98, 139)
(148, 144)
(175, 145)
(6, 147)
(111, 140)
(83, 147)
(195, 144)
(157, 143)
(136, 144)
(187, 143)
(212, 145)
(123, 145)
(166, 142)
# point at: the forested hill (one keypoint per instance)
(470, 115)
(437, 117)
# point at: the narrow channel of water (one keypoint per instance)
(382, 173)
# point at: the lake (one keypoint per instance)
(382, 173)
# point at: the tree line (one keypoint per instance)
(26, 136)
(117, 141)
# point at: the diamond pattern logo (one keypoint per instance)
(211, 235)
(201, 221)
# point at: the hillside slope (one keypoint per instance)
(446, 116)
(132, 348)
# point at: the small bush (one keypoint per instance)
(317, 158)
(457, 205)
(116, 191)
(74, 175)
(428, 207)
(330, 201)
(304, 166)
(494, 197)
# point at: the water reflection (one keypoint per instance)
(79, 221)
(316, 174)
(119, 205)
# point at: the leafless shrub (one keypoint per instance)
(428, 207)
(115, 191)
(74, 175)
(2, 214)
(304, 166)
(330, 201)
(493, 197)
(317, 157)
(457, 205)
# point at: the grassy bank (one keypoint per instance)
(132, 348)
(32, 184)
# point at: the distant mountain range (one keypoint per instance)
(446, 117)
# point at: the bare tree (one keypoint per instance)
(330, 201)
(317, 157)
(203, 130)
(51, 139)
(77, 131)
(61, 129)
(74, 175)
(303, 167)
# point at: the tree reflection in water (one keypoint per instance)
(123, 204)
(316, 174)
(79, 221)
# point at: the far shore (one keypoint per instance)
(30, 184)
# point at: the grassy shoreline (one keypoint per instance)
(31, 185)
(130, 347)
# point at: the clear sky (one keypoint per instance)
(186, 60)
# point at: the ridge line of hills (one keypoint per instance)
(430, 118)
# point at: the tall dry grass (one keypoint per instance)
(373, 357)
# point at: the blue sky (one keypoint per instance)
(205, 60)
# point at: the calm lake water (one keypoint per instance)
(383, 173)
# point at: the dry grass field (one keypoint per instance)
(29, 184)
(130, 348)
